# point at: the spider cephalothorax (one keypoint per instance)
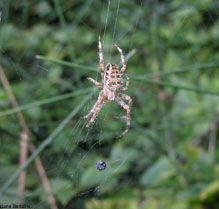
(112, 82)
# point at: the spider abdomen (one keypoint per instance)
(112, 77)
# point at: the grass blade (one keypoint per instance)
(177, 86)
(45, 143)
(189, 68)
(64, 27)
(44, 101)
(68, 64)
(197, 90)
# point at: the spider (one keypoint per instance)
(112, 83)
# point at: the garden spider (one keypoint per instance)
(112, 82)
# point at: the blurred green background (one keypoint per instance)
(170, 157)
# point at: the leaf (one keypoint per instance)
(190, 193)
(210, 191)
(93, 177)
(43, 8)
(35, 113)
(63, 189)
(157, 173)
(54, 73)
(9, 198)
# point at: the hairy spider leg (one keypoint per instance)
(95, 110)
(120, 117)
(101, 61)
(100, 103)
(124, 96)
(95, 82)
(122, 59)
(126, 84)
(94, 107)
(127, 108)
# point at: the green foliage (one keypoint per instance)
(157, 173)
(168, 159)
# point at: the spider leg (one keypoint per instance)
(95, 82)
(95, 110)
(127, 83)
(95, 106)
(127, 108)
(122, 58)
(101, 61)
(120, 117)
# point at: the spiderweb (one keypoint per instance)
(69, 157)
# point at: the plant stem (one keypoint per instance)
(65, 63)
(44, 101)
(45, 143)
(64, 27)
(185, 69)
(25, 138)
(197, 90)
(177, 86)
